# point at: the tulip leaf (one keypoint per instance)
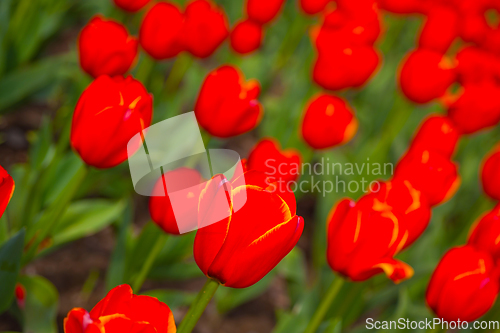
(10, 262)
(41, 303)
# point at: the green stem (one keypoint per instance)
(145, 69)
(148, 263)
(324, 306)
(179, 68)
(198, 306)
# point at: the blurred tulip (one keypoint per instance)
(437, 133)
(474, 65)
(240, 249)
(121, 311)
(106, 48)
(364, 237)
(246, 36)
(227, 105)
(464, 285)
(263, 11)
(431, 173)
(405, 6)
(277, 164)
(473, 27)
(328, 121)
(441, 28)
(108, 114)
(490, 175)
(131, 5)
(485, 234)
(426, 75)
(20, 294)
(161, 28)
(181, 180)
(205, 28)
(7, 186)
(312, 7)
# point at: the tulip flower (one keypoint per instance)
(263, 11)
(405, 6)
(131, 5)
(441, 28)
(312, 7)
(426, 75)
(364, 237)
(431, 173)
(464, 285)
(474, 65)
(161, 31)
(328, 121)
(476, 108)
(486, 233)
(205, 28)
(7, 186)
(227, 105)
(473, 26)
(106, 48)
(238, 247)
(121, 311)
(276, 164)
(490, 175)
(246, 36)
(188, 185)
(108, 114)
(20, 294)
(437, 133)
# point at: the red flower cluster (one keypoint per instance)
(247, 34)
(6, 189)
(428, 73)
(227, 105)
(121, 311)
(364, 236)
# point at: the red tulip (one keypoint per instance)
(473, 27)
(430, 172)
(426, 75)
(312, 7)
(276, 164)
(476, 108)
(205, 28)
(474, 65)
(246, 36)
(106, 48)
(441, 28)
(240, 249)
(486, 233)
(161, 29)
(121, 311)
(108, 114)
(490, 175)
(405, 6)
(7, 186)
(263, 11)
(328, 122)
(180, 187)
(227, 105)
(131, 5)
(464, 285)
(20, 293)
(364, 237)
(437, 133)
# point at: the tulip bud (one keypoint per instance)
(205, 28)
(243, 245)
(426, 75)
(437, 133)
(7, 186)
(227, 105)
(131, 5)
(490, 175)
(364, 237)
(122, 311)
(263, 11)
(486, 233)
(312, 7)
(161, 29)
(328, 121)
(464, 285)
(108, 114)
(440, 29)
(276, 164)
(20, 293)
(167, 193)
(246, 36)
(106, 48)
(476, 107)
(430, 172)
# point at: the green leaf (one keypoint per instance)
(40, 310)
(10, 262)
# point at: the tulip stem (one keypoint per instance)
(325, 305)
(179, 68)
(198, 306)
(148, 263)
